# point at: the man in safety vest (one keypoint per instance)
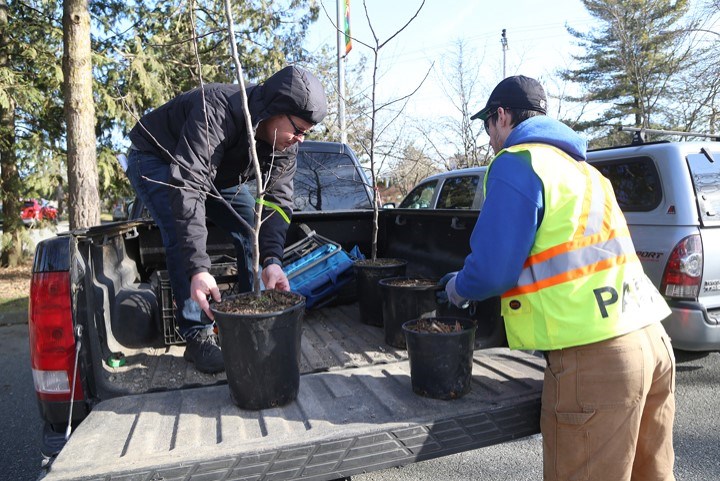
(552, 242)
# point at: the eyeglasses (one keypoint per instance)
(298, 131)
(486, 123)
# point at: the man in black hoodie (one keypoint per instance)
(200, 138)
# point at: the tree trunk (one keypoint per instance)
(84, 201)
(12, 224)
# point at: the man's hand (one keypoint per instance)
(448, 294)
(441, 295)
(203, 285)
(274, 278)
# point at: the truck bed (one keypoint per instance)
(345, 421)
(156, 418)
(332, 338)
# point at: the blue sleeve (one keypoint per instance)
(505, 230)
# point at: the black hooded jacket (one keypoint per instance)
(218, 151)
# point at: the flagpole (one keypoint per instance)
(503, 42)
(341, 69)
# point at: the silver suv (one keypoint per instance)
(670, 193)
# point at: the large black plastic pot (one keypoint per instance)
(441, 363)
(405, 299)
(367, 275)
(262, 354)
(486, 314)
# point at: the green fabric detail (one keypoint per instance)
(274, 207)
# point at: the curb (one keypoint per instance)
(16, 317)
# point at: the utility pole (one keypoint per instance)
(503, 42)
(341, 69)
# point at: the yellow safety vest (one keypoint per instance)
(582, 282)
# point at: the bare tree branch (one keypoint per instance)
(407, 97)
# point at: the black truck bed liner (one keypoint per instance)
(344, 422)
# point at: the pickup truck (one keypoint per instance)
(119, 402)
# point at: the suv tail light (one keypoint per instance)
(684, 269)
(52, 340)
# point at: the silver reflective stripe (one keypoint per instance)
(576, 259)
(597, 203)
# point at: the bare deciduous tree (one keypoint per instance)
(414, 165)
(376, 107)
(461, 84)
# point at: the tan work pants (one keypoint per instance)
(608, 410)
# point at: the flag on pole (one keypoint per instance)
(348, 40)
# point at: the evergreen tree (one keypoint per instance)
(151, 51)
(31, 117)
(142, 55)
(79, 115)
(630, 58)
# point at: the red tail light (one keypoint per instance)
(52, 340)
(684, 269)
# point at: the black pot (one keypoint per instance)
(441, 363)
(262, 354)
(367, 276)
(402, 302)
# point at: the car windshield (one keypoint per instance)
(29, 203)
(705, 169)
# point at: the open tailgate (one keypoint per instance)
(344, 422)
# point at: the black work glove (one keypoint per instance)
(441, 295)
(450, 296)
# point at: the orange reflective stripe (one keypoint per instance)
(593, 246)
(576, 244)
(587, 202)
(571, 275)
(600, 200)
(575, 259)
(609, 208)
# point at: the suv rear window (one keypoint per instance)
(458, 192)
(344, 186)
(635, 181)
(706, 179)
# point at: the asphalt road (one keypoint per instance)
(696, 428)
(696, 438)
(21, 426)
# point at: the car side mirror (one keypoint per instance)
(388, 205)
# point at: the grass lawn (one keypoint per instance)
(15, 289)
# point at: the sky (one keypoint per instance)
(538, 44)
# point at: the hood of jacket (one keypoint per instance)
(544, 130)
(292, 90)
